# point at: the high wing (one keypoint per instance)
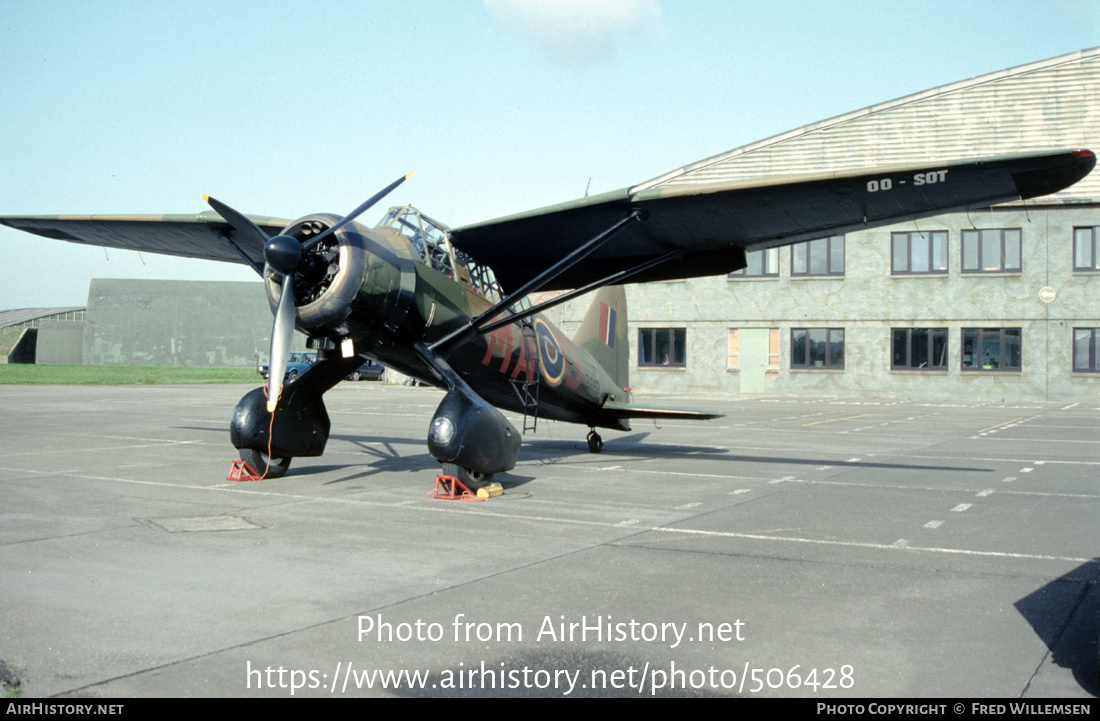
(190, 236)
(709, 226)
(713, 224)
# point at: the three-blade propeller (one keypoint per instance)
(282, 255)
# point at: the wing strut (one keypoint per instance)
(471, 330)
(561, 266)
(613, 279)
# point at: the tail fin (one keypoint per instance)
(603, 333)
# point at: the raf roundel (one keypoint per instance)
(551, 359)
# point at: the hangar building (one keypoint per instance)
(48, 336)
(997, 304)
(178, 323)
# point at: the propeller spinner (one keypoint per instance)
(283, 254)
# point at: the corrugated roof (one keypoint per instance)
(1048, 104)
(19, 316)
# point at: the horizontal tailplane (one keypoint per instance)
(631, 410)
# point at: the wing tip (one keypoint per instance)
(1047, 180)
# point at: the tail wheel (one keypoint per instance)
(595, 443)
(471, 479)
(259, 462)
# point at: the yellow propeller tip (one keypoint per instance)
(409, 174)
(271, 406)
(205, 198)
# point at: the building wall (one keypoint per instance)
(158, 322)
(60, 343)
(868, 301)
(1047, 104)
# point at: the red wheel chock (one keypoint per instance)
(241, 471)
(449, 488)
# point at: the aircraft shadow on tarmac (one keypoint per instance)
(384, 455)
(552, 451)
(1065, 614)
(381, 455)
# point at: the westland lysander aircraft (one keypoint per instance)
(449, 306)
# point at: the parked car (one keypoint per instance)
(369, 371)
(296, 366)
(300, 361)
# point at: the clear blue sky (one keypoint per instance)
(287, 108)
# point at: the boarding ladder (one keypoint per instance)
(526, 386)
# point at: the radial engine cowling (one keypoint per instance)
(328, 277)
(348, 285)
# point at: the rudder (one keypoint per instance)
(603, 333)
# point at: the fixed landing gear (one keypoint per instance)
(259, 462)
(469, 478)
(300, 426)
(595, 443)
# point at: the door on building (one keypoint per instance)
(754, 353)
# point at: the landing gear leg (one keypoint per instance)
(595, 443)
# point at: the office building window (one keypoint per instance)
(817, 348)
(918, 349)
(919, 253)
(1086, 350)
(991, 349)
(762, 264)
(1085, 256)
(662, 347)
(991, 251)
(824, 256)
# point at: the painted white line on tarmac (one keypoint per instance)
(876, 546)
